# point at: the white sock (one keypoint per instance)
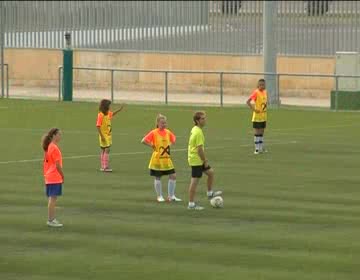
(209, 193)
(257, 142)
(191, 203)
(261, 140)
(171, 187)
(158, 187)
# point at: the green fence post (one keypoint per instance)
(68, 70)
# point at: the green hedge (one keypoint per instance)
(347, 100)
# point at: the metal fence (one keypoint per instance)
(303, 27)
(221, 74)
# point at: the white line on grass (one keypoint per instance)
(137, 153)
(94, 132)
(284, 130)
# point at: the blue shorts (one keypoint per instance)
(53, 189)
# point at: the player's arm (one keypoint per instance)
(147, 140)
(119, 110)
(56, 157)
(143, 141)
(98, 125)
(251, 104)
(201, 153)
(100, 133)
(172, 138)
(59, 169)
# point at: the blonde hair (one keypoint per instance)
(158, 118)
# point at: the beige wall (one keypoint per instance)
(28, 67)
(34, 67)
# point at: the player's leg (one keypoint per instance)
(52, 192)
(102, 161)
(107, 159)
(262, 139)
(210, 178)
(51, 207)
(210, 182)
(171, 188)
(196, 174)
(257, 133)
(157, 185)
(192, 190)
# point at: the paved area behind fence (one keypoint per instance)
(156, 97)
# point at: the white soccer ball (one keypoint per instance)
(217, 202)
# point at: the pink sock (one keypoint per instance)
(102, 160)
(106, 160)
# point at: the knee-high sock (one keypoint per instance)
(171, 187)
(102, 159)
(257, 141)
(261, 142)
(106, 160)
(158, 187)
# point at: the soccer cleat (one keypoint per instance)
(102, 169)
(214, 193)
(256, 152)
(54, 223)
(160, 199)
(195, 207)
(107, 169)
(174, 198)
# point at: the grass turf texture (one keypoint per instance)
(292, 213)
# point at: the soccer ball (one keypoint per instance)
(217, 202)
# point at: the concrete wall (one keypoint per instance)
(39, 68)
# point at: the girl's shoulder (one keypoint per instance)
(52, 147)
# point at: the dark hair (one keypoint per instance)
(197, 116)
(47, 138)
(104, 106)
(261, 80)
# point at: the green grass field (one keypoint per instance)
(293, 213)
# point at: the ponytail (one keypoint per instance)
(47, 138)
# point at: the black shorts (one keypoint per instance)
(159, 173)
(259, 124)
(197, 170)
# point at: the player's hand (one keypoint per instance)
(206, 164)
(257, 111)
(121, 107)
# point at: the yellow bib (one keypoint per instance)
(261, 105)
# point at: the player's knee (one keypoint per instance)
(211, 172)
